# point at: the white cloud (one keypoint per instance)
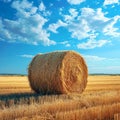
(77, 26)
(73, 13)
(23, 8)
(28, 28)
(95, 18)
(43, 11)
(93, 58)
(80, 25)
(111, 30)
(61, 10)
(100, 15)
(42, 7)
(79, 30)
(109, 2)
(66, 43)
(75, 2)
(53, 27)
(90, 44)
(27, 56)
(90, 20)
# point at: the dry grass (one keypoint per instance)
(14, 84)
(100, 101)
(17, 84)
(106, 82)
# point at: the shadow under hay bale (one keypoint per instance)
(58, 73)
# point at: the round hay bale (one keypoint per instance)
(58, 73)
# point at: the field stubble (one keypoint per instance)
(99, 101)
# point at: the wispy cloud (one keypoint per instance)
(27, 56)
(71, 16)
(75, 2)
(109, 2)
(94, 58)
(42, 7)
(90, 44)
(53, 27)
(66, 43)
(110, 29)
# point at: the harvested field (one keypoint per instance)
(100, 100)
(14, 84)
(17, 84)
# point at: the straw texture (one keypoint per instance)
(58, 73)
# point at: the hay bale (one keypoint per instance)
(58, 72)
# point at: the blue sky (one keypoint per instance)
(29, 27)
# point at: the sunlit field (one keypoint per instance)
(14, 84)
(99, 101)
